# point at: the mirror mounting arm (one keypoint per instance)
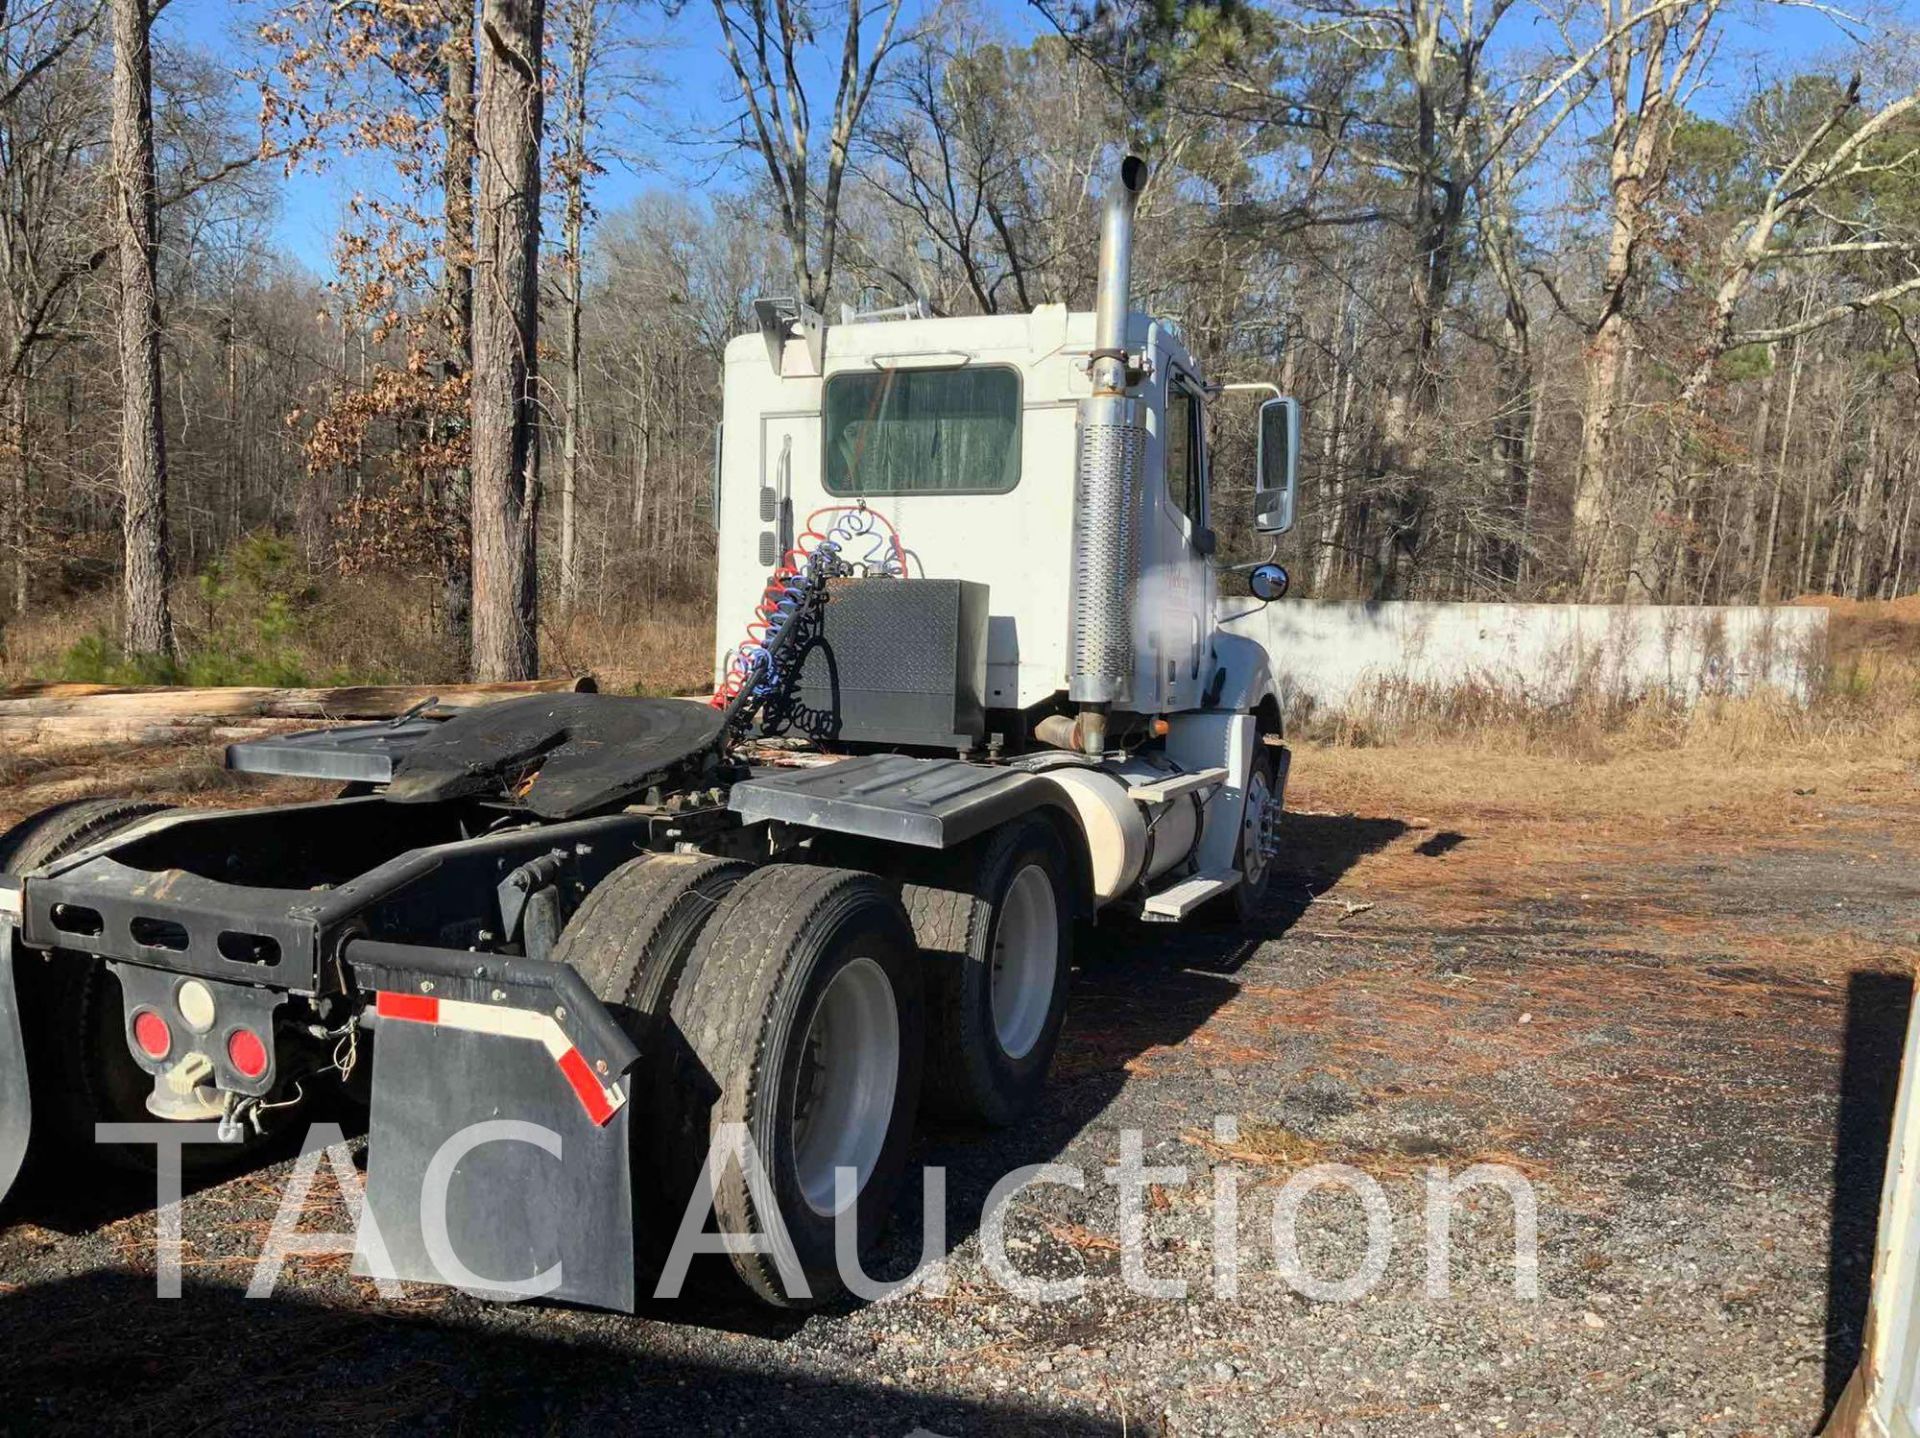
(1247, 386)
(1273, 553)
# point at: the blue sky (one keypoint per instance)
(693, 86)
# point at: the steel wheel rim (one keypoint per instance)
(849, 1068)
(1254, 826)
(1026, 959)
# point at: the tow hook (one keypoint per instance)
(182, 1091)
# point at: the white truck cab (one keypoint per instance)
(961, 433)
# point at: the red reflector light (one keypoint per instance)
(150, 1031)
(246, 1053)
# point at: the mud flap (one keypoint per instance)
(16, 1105)
(497, 1158)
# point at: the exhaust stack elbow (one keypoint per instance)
(1107, 364)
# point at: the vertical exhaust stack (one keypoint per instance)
(1112, 449)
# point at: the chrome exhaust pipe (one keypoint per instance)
(1108, 362)
(1112, 449)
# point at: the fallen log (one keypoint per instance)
(82, 715)
(39, 703)
(139, 732)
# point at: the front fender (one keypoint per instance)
(1243, 673)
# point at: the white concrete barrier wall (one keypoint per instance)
(1330, 651)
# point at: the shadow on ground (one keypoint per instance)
(74, 1194)
(1876, 1027)
(101, 1354)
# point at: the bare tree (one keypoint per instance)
(506, 318)
(951, 161)
(50, 227)
(580, 23)
(1772, 235)
(765, 42)
(1444, 124)
(1651, 71)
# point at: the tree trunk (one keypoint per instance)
(1606, 364)
(456, 252)
(1765, 590)
(506, 457)
(581, 43)
(14, 451)
(148, 621)
(1863, 512)
(1749, 528)
(1333, 487)
(1897, 561)
(1513, 433)
(1896, 482)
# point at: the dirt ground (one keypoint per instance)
(1670, 997)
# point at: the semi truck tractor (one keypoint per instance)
(595, 962)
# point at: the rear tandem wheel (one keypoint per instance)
(630, 941)
(995, 920)
(800, 1023)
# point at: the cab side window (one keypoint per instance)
(1186, 474)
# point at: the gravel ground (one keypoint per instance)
(1685, 1044)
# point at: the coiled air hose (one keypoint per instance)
(762, 670)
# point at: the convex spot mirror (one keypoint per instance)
(1277, 477)
(1268, 582)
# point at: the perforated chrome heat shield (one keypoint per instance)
(1106, 487)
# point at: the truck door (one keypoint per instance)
(1177, 579)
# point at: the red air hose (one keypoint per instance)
(853, 522)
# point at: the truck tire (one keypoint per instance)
(43, 837)
(630, 941)
(800, 1020)
(1256, 870)
(632, 937)
(73, 1019)
(996, 932)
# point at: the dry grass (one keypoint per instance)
(34, 646)
(386, 629)
(1451, 748)
(374, 629)
(667, 649)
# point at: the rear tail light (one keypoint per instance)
(150, 1031)
(246, 1053)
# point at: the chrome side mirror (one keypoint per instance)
(1268, 582)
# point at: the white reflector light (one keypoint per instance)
(196, 1005)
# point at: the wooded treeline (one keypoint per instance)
(1581, 304)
